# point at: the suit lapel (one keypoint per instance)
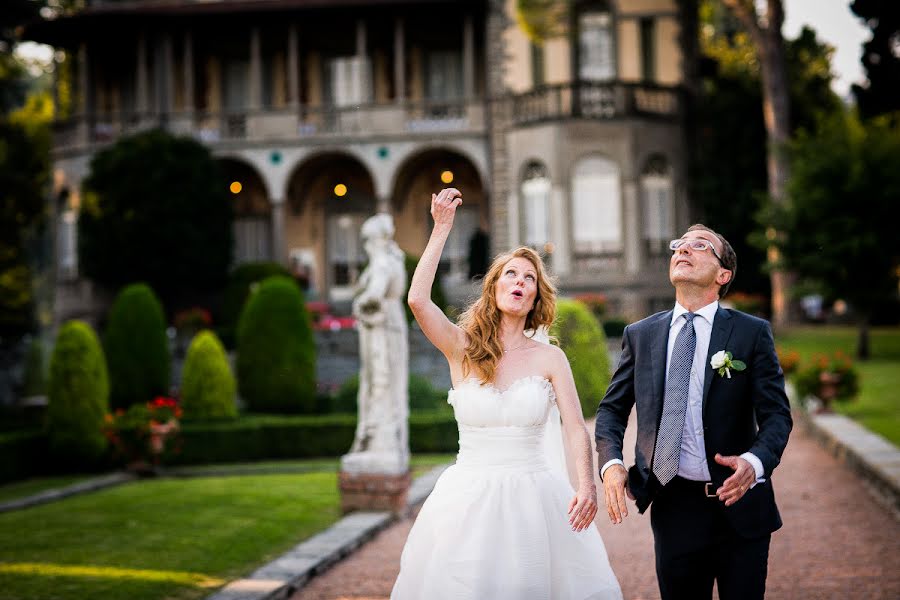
(718, 341)
(659, 340)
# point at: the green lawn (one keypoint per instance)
(878, 404)
(165, 538)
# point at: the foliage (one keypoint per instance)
(816, 370)
(437, 289)
(35, 378)
(78, 395)
(729, 170)
(582, 339)
(276, 362)
(754, 304)
(140, 434)
(24, 172)
(240, 282)
(207, 384)
(24, 454)
(192, 319)
(880, 57)
(137, 348)
(614, 327)
(597, 303)
(843, 212)
(155, 208)
(542, 19)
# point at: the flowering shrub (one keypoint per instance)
(788, 359)
(596, 303)
(141, 434)
(828, 377)
(194, 318)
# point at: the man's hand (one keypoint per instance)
(614, 486)
(738, 484)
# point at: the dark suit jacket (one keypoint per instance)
(749, 412)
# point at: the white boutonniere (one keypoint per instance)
(723, 362)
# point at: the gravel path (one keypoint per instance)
(837, 542)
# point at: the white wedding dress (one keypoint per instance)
(495, 526)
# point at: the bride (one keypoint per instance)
(503, 522)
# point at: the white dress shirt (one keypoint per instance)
(692, 463)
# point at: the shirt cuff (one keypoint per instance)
(615, 461)
(757, 467)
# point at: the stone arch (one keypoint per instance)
(424, 173)
(252, 210)
(329, 195)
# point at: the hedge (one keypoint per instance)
(582, 339)
(264, 437)
(24, 455)
(207, 384)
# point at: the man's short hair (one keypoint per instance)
(728, 260)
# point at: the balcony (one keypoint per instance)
(356, 123)
(593, 100)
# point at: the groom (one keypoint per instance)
(711, 429)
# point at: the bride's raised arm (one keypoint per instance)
(447, 337)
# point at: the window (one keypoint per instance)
(536, 190)
(67, 244)
(455, 257)
(236, 75)
(596, 206)
(345, 249)
(443, 75)
(348, 81)
(659, 213)
(595, 45)
(648, 49)
(251, 239)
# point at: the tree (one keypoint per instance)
(842, 215)
(156, 209)
(729, 170)
(881, 57)
(764, 29)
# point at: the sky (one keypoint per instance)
(836, 25)
(831, 19)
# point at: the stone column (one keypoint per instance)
(166, 91)
(399, 62)
(84, 110)
(142, 85)
(360, 38)
(293, 67)
(499, 120)
(632, 221)
(254, 101)
(188, 73)
(279, 252)
(468, 58)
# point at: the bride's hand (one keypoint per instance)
(583, 507)
(444, 205)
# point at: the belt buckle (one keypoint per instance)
(706, 490)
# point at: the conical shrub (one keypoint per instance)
(136, 347)
(276, 362)
(207, 385)
(78, 396)
(582, 339)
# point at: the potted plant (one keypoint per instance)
(829, 378)
(142, 434)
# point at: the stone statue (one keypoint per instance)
(381, 445)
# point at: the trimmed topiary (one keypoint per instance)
(583, 341)
(240, 282)
(78, 396)
(137, 347)
(276, 361)
(207, 385)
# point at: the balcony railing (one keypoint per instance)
(413, 118)
(596, 101)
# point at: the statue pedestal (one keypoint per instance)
(373, 491)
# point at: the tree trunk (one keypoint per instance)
(765, 30)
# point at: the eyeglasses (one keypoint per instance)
(698, 244)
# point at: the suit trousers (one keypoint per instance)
(696, 545)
